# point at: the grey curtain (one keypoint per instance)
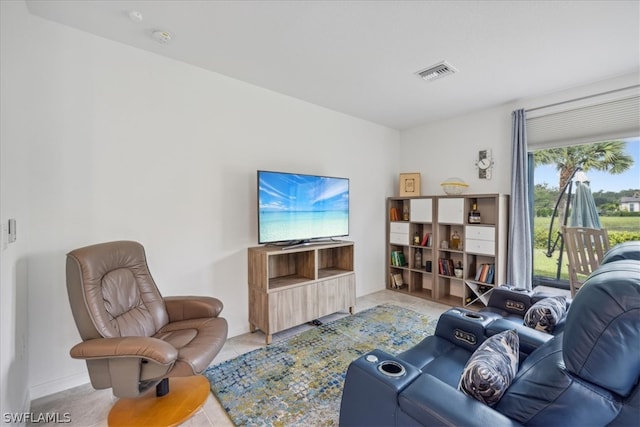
(519, 256)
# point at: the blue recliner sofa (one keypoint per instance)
(585, 375)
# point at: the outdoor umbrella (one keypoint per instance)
(583, 210)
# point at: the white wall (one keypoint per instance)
(449, 148)
(119, 143)
(14, 203)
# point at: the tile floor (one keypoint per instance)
(88, 407)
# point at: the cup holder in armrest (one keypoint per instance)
(474, 316)
(391, 369)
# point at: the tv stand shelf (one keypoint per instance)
(297, 285)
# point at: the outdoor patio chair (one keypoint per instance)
(585, 250)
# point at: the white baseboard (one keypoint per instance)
(58, 385)
(239, 331)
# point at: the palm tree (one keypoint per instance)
(608, 156)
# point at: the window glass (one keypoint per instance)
(611, 171)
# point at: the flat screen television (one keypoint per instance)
(297, 208)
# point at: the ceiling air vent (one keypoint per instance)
(437, 71)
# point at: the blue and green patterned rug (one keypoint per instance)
(298, 381)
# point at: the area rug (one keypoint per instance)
(298, 381)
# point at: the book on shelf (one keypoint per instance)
(484, 273)
(397, 281)
(394, 214)
(426, 240)
(398, 259)
(490, 274)
(445, 267)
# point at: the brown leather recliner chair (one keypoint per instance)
(133, 338)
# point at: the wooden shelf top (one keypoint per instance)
(276, 249)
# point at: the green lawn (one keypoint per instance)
(620, 223)
(547, 267)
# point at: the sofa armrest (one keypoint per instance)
(507, 300)
(369, 397)
(433, 402)
(464, 328)
(192, 307)
(149, 348)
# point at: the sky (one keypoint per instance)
(291, 192)
(600, 180)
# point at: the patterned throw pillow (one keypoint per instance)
(546, 313)
(491, 368)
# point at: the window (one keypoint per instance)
(611, 170)
(575, 125)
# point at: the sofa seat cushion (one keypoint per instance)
(438, 357)
(449, 367)
(491, 368)
(427, 350)
(197, 342)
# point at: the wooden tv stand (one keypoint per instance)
(292, 286)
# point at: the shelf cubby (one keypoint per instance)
(441, 217)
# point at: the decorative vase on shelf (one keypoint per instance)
(455, 241)
(474, 215)
(458, 271)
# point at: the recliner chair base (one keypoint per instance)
(186, 396)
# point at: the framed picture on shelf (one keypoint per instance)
(409, 184)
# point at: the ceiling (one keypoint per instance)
(360, 57)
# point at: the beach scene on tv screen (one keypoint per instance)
(299, 207)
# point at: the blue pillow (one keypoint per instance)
(546, 313)
(491, 368)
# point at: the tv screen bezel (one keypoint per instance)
(301, 239)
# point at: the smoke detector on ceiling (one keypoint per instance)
(437, 71)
